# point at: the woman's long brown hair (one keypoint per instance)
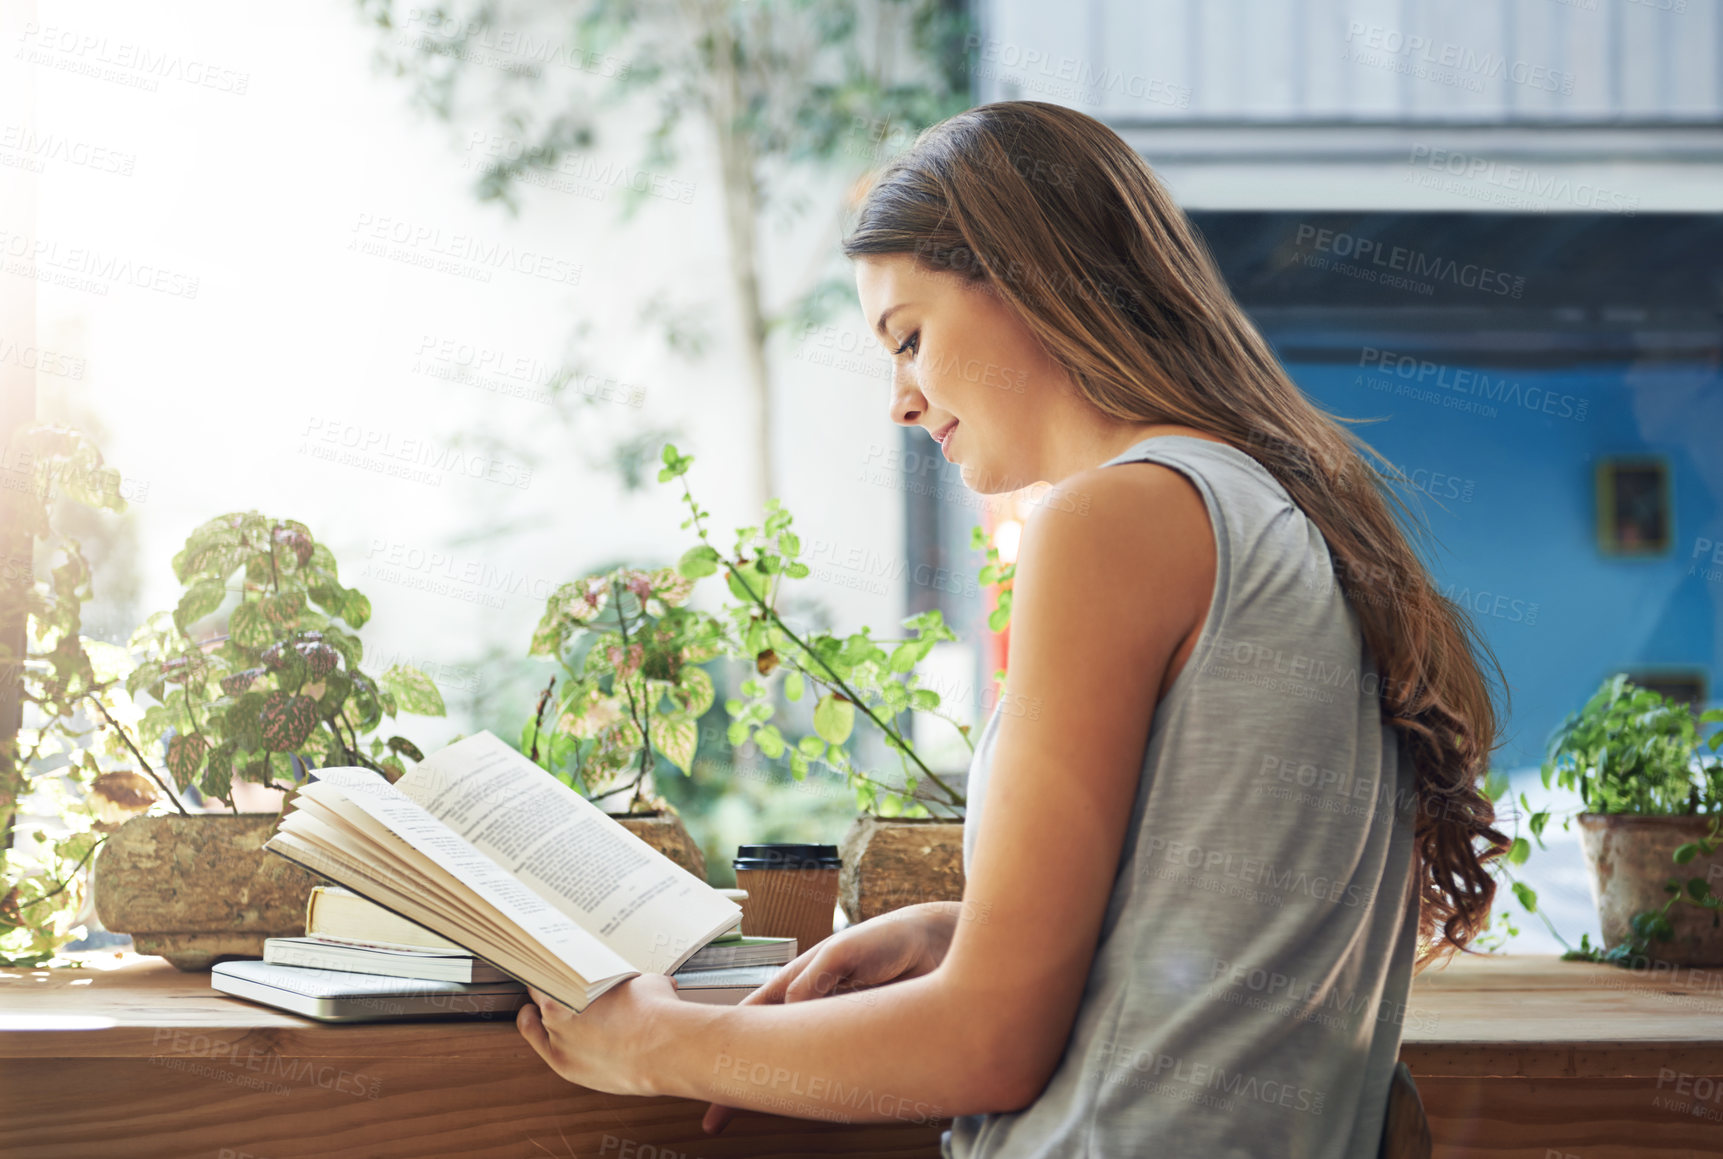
(1053, 211)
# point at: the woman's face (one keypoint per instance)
(960, 355)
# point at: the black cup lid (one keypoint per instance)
(782, 856)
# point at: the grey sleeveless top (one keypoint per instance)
(1250, 979)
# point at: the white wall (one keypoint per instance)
(1525, 105)
(256, 184)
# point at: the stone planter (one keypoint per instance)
(891, 862)
(1630, 858)
(666, 833)
(199, 889)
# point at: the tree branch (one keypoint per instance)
(126, 737)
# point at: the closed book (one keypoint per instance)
(742, 951)
(721, 987)
(346, 996)
(335, 912)
(392, 962)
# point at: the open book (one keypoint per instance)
(479, 844)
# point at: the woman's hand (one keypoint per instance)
(895, 946)
(601, 1048)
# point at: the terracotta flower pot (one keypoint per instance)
(892, 862)
(199, 889)
(1630, 858)
(666, 833)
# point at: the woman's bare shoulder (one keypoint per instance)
(1138, 528)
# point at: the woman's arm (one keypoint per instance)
(1106, 590)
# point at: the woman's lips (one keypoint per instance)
(945, 440)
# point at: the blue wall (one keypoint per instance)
(1517, 539)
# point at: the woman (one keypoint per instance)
(1231, 791)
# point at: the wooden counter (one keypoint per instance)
(1530, 1056)
(1517, 1056)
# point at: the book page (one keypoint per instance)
(390, 809)
(651, 911)
(352, 846)
(537, 967)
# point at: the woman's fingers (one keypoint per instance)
(718, 1117)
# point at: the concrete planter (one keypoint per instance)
(199, 889)
(892, 862)
(666, 833)
(1630, 858)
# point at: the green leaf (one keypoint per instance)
(143, 676)
(793, 685)
(185, 756)
(213, 550)
(400, 744)
(238, 682)
(218, 771)
(248, 627)
(905, 656)
(319, 657)
(204, 597)
(834, 718)
(282, 610)
(243, 724)
(413, 691)
(1687, 852)
(751, 591)
(287, 720)
(771, 742)
(1519, 851)
(355, 608)
(694, 691)
(1698, 888)
(218, 777)
(675, 736)
(1527, 895)
(699, 561)
(811, 746)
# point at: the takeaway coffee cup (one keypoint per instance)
(792, 891)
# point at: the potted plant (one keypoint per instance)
(633, 691)
(1651, 824)
(278, 693)
(891, 861)
(906, 847)
(65, 769)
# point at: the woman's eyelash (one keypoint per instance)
(912, 338)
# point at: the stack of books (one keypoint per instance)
(358, 962)
(473, 876)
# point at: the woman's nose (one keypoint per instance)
(907, 402)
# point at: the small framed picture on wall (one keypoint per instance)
(1633, 509)
(1689, 686)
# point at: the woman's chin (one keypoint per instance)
(984, 483)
